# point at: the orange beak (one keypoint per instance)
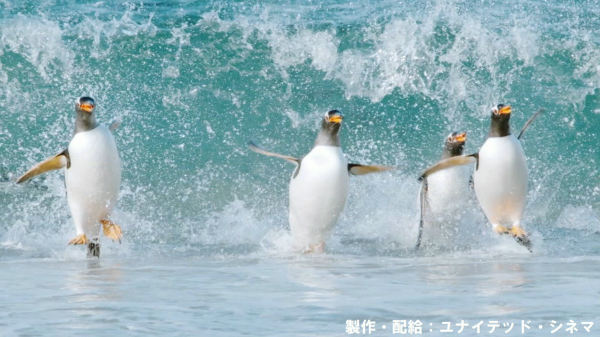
(505, 110)
(336, 119)
(461, 137)
(86, 107)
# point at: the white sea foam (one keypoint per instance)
(579, 217)
(39, 41)
(459, 61)
(103, 33)
(445, 54)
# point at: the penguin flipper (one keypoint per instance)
(53, 163)
(450, 162)
(260, 150)
(111, 230)
(422, 206)
(114, 125)
(529, 121)
(359, 169)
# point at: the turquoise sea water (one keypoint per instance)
(205, 250)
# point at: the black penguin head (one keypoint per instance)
(85, 104)
(330, 126)
(500, 126)
(501, 112)
(332, 122)
(455, 144)
(84, 107)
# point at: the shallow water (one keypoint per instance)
(206, 245)
(295, 296)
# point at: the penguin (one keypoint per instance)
(318, 187)
(500, 177)
(441, 195)
(92, 177)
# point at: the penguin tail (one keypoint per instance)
(525, 242)
(521, 237)
(111, 230)
(518, 233)
(93, 249)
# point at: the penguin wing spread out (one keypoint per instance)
(53, 163)
(450, 162)
(359, 169)
(260, 150)
(529, 121)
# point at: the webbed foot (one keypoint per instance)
(79, 240)
(318, 248)
(111, 230)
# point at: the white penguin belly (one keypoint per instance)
(446, 190)
(93, 179)
(317, 195)
(501, 180)
(447, 197)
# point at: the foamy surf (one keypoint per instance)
(206, 237)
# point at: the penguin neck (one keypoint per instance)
(85, 121)
(328, 137)
(499, 127)
(452, 151)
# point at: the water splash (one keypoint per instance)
(191, 87)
